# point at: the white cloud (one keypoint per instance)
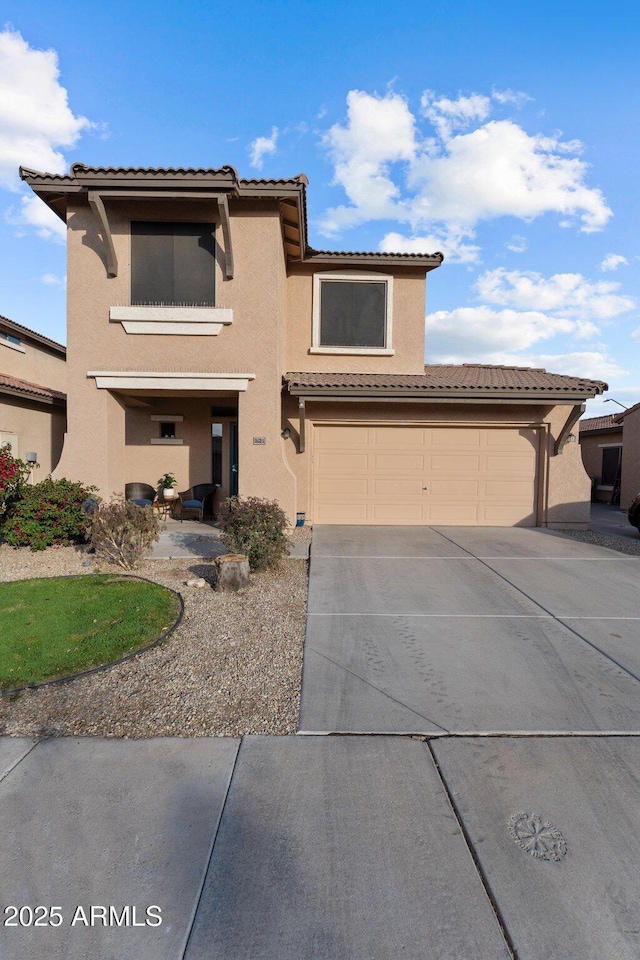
(479, 333)
(612, 261)
(516, 97)
(379, 131)
(597, 365)
(566, 294)
(51, 280)
(465, 170)
(35, 117)
(262, 147)
(517, 243)
(499, 170)
(453, 246)
(33, 212)
(448, 115)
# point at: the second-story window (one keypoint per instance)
(352, 313)
(172, 264)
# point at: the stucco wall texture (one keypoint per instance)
(108, 440)
(630, 458)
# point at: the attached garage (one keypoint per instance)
(441, 475)
(467, 445)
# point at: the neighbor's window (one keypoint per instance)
(352, 312)
(10, 337)
(172, 264)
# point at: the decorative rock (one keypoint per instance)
(232, 571)
(200, 582)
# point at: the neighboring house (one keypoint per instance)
(630, 456)
(33, 380)
(206, 338)
(601, 446)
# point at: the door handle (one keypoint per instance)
(425, 488)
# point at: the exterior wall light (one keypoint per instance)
(32, 457)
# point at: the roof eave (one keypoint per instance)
(425, 262)
(55, 401)
(441, 396)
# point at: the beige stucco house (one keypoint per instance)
(33, 380)
(206, 338)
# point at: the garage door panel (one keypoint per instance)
(515, 465)
(506, 515)
(399, 488)
(453, 514)
(399, 463)
(400, 438)
(474, 476)
(346, 511)
(453, 464)
(340, 464)
(347, 437)
(337, 488)
(395, 512)
(508, 490)
(523, 439)
(455, 438)
(454, 489)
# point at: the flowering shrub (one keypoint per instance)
(50, 512)
(13, 473)
(255, 528)
(121, 532)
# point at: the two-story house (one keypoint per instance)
(206, 338)
(33, 381)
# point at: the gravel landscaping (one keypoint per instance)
(232, 667)
(627, 545)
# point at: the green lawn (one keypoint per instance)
(61, 625)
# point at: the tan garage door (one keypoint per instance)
(474, 476)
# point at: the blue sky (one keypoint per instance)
(505, 135)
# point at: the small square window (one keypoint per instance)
(352, 313)
(167, 430)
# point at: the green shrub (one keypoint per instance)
(255, 528)
(123, 533)
(13, 474)
(50, 512)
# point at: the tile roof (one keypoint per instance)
(350, 254)
(15, 384)
(611, 422)
(453, 380)
(80, 171)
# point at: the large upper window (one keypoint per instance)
(352, 313)
(172, 264)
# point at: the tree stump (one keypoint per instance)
(232, 571)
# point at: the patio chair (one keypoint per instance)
(142, 494)
(195, 500)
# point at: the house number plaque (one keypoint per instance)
(259, 440)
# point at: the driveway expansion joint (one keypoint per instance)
(23, 757)
(476, 862)
(205, 871)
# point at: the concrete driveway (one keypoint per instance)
(469, 630)
(503, 835)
